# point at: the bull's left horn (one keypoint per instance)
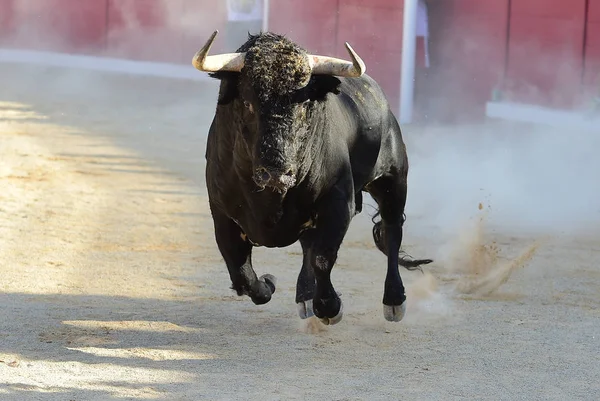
(334, 66)
(220, 62)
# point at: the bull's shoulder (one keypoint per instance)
(222, 161)
(360, 109)
(365, 94)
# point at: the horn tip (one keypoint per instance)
(357, 61)
(349, 47)
(200, 56)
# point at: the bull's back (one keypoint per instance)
(374, 138)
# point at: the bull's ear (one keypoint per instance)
(321, 85)
(229, 86)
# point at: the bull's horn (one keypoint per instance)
(334, 66)
(221, 62)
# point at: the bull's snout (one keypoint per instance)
(281, 180)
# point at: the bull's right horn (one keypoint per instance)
(334, 66)
(233, 62)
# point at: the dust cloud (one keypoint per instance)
(486, 192)
(532, 179)
(477, 263)
(490, 282)
(470, 265)
(427, 300)
(312, 325)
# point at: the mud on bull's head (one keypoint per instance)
(273, 86)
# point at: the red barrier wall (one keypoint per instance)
(198, 24)
(133, 29)
(374, 29)
(160, 33)
(539, 51)
(132, 25)
(291, 17)
(468, 50)
(6, 20)
(545, 63)
(460, 30)
(591, 78)
(59, 25)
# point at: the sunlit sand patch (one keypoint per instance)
(146, 247)
(141, 392)
(10, 360)
(145, 353)
(18, 111)
(133, 325)
(114, 380)
(14, 105)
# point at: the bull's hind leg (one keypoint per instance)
(237, 252)
(390, 193)
(404, 259)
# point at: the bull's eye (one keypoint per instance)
(248, 105)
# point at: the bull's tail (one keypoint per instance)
(404, 259)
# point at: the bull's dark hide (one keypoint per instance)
(289, 154)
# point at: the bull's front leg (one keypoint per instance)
(305, 286)
(334, 215)
(237, 252)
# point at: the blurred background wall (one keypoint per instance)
(544, 52)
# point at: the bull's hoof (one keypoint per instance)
(394, 313)
(270, 280)
(305, 309)
(336, 319)
(266, 288)
(333, 320)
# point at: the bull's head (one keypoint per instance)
(274, 87)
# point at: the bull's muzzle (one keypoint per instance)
(280, 180)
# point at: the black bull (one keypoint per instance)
(295, 140)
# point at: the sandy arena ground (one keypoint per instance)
(111, 285)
